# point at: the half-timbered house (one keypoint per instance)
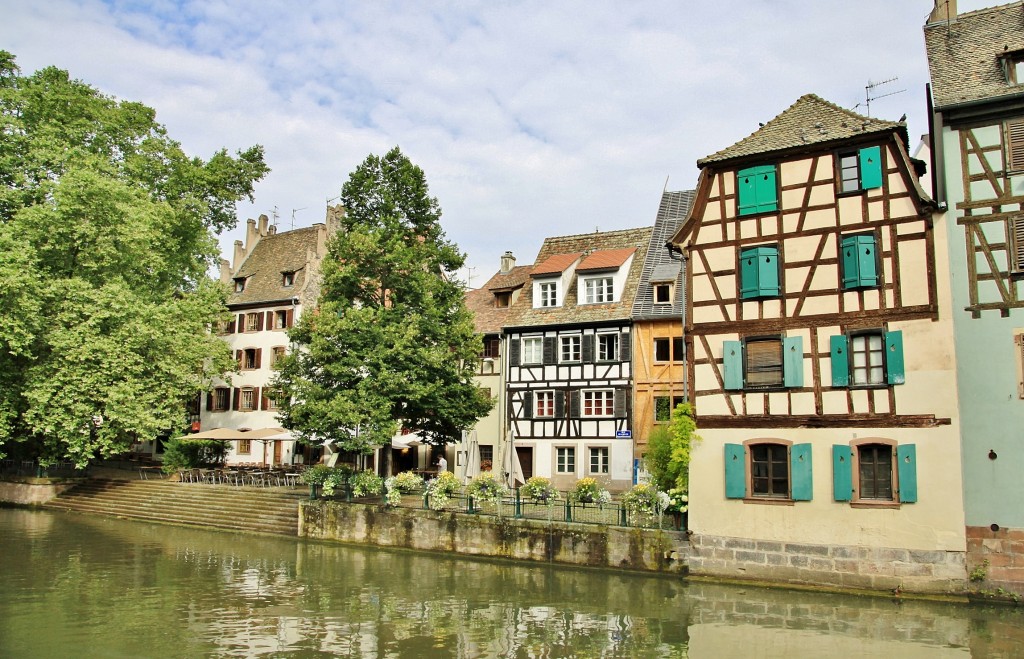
(822, 368)
(569, 380)
(976, 61)
(658, 354)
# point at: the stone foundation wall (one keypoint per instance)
(1003, 549)
(829, 565)
(25, 491)
(648, 550)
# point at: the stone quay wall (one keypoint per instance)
(27, 491)
(648, 550)
(995, 557)
(841, 566)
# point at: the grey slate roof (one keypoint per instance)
(963, 58)
(810, 120)
(273, 255)
(659, 266)
(523, 314)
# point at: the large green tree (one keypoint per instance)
(106, 237)
(391, 343)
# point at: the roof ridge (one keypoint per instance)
(974, 12)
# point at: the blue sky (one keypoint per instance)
(530, 119)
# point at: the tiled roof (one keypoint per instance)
(273, 255)
(487, 318)
(605, 259)
(523, 314)
(811, 120)
(659, 265)
(963, 57)
(555, 264)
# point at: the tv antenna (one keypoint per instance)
(870, 95)
(469, 276)
(274, 215)
(294, 211)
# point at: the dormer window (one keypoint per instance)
(502, 300)
(239, 284)
(662, 293)
(287, 279)
(598, 289)
(1013, 66)
(549, 294)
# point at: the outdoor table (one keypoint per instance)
(292, 478)
(145, 471)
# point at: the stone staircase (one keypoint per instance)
(271, 511)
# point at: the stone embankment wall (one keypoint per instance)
(996, 558)
(843, 566)
(590, 545)
(26, 491)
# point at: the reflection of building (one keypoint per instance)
(658, 354)
(568, 361)
(273, 277)
(977, 72)
(822, 370)
(490, 306)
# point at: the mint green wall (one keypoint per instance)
(991, 413)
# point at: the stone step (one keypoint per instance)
(196, 504)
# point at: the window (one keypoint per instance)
(492, 347)
(277, 354)
(759, 272)
(244, 446)
(1015, 143)
(253, 322)
(662, 409)
(763, 363)
(565, 460)
(874, 472)
(570, 349)
(607, 347)
(281, 319)
(599, 460)
(269, 403)
(221, 399)
(867, 359)
(502, 300)
(598, 289)
(549, 294)
(860, 170)
(287, 279)
(486, 457)
(544, 404)
(533, 350)
(663, 293)
(239, 284)
(1015, 230)
(756, 190)
(768, 470)
(668, 349)
(599, 403)
(250, 359)
(858, 255)
(248, 399)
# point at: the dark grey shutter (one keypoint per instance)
(624, 346)
(514, 346)
(559, 404)
(549, 350)
(588, 348)
(574, 404)
(259, 322)
(241, 323)
(209, 401)
(238, 400)
(620, 403)
(527, 405)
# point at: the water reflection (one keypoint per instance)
(99, 587)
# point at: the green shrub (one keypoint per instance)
(182, 453)
(366, 484)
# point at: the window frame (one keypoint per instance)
(657, 288)
(866, 335)
(548, 291)
(752, 477)
(548, 401)
(599, 289)
(218, 404)
(565, 460)
(538, 342)
(250, 393)
(288, 278)
(739, 472)
(277, 353)
(606, 353)
(603, 455)
(597, 404)
(847, 486)
(250, 359)
(570, 349)
(781, 363)
(244, 447)
(252, 322)
(658, 405)
(672, 346)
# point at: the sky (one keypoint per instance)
(529, 119)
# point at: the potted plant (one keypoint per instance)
(404, 483)
(539, 490)
(588, 490)
(485, 488)
(644, 502)
(366, 484)
(440, 490)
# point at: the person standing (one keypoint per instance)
(442, 464)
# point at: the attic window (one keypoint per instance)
(502, 300)
(239, 284)
(663, 293)
(1013, 66)
(287, 279)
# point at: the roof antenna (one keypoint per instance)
(274, 216)
(294, 211)
(869, 93)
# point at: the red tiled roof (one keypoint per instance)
(555, 264)
(606, 259)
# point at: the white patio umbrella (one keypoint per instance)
(511, 468)
(472, 469)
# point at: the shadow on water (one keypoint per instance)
(100, 587)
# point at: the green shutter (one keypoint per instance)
(840, 361)
(859, 261)
(894, 357)
(842, 472)
(732, 365)
(793, 361)
(768, 271)
(800, 474)
(767, 190)
(871, 168)
(756, 190)
(746, 191)
(848, 256)
(748, 273)
(735, 472)
(906, 458)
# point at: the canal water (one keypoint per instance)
(81, 586)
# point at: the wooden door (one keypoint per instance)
(277, 453)
(525, 454)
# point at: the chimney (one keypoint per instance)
(945, 11)
(264, 220)
(250, 234)
(239, 255)
(225, 270)
(507, 263)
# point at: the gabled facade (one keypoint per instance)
(568, 359)
(976, 62)
(274, 276)
(822, 370)
(658, 350)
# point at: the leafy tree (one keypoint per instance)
(668, 450)
(391, 342)
(106, 236)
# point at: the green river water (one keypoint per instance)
(81, 586)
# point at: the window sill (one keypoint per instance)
(865, 503)
(851, 193)
(768, 501)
